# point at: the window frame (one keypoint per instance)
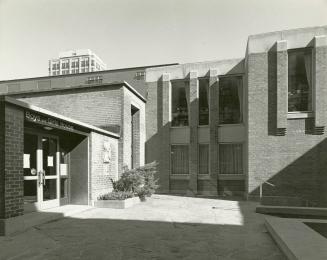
(171, 103)
(209, 159)
(170, 159)
(243, 98)
(207, 79)
(243, 159)
(307, 113)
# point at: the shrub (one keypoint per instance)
(140, 181)
(116, 195)
(148, 172)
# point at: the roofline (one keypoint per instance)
(251, 36)
(53, 114)
(134, 91)
(116, 83)
(87, 73)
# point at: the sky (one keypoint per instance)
(130, 33)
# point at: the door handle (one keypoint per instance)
(43, 177)
(39, 175)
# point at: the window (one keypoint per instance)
(83, 63)
(94, 79)
(203, 158)
(230, 159)
(92, 62)
(179, 107)
(203, 102)
(140, 75)
(299, 80)
(179, 159)
(230, 100)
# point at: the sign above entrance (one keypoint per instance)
(40, 119)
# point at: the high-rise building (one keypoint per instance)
(75, 61)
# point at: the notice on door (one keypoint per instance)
(50, 161)
(27, 160)
(63, 169)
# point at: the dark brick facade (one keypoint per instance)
(11, 161)
(296, 162)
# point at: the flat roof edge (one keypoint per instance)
(88, 73)
(53, 114)
(116, 83)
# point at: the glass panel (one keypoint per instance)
(179, 107)
(63, 187)
(230, 100)
(30, 191)
(30, 148)
(299, 80)
(49, 146)
(179, 159)
(203, 159)
(50, 189)
(203, 102)
(230, 159)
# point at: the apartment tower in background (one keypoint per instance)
(75, 61)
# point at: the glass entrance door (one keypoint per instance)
(41, 172)
(49, 166)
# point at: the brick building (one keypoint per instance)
(221, 127)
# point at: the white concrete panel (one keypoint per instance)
(180, 135)
(231, 133)
(204, 134)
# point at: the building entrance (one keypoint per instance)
(41, 171)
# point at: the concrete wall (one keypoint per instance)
(295, 162)
(101, 171)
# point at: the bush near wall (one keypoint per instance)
(140, 181)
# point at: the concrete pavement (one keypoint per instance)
(164, 227)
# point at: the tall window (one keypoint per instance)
(179, 159)
(230, 159)
(299, 80)
(179, 107)
(203, 158)
(203, 102)
(230, 100)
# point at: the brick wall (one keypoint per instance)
(100, 171)
(130, 100)
(99, 106)
(11, 161)
(296, 162)
(66, 81)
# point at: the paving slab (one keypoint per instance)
(164, 227)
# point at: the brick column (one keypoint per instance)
(164, 112)
(213, 123)
(319, 76)
(11, 163)
(193, 123)
(282, 87)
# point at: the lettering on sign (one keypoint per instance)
(47, 121)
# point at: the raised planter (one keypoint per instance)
(117, 204)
